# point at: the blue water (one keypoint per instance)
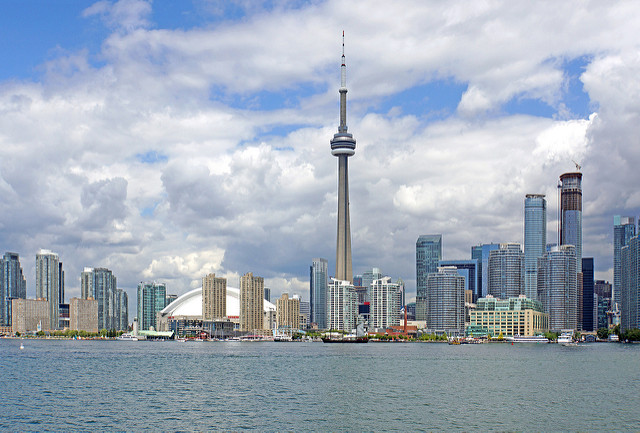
(172, 386)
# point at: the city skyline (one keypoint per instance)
(217, 162)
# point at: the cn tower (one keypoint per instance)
(343, 145)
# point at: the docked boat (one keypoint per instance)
(345, 340)
(566, 338)
(127, 337)
(529, 339)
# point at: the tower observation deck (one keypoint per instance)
(343, 145)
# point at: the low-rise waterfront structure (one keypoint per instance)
(514, 316)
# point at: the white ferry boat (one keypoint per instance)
(530, 339)
(566, 338)
(127, 337)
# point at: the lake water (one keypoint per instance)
(172, 386)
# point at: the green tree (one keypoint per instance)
(616, 330)
(103, 332)
(632, 334)
(602, 333)
(17, 334)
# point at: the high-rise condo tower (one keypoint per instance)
(571, 213)
(343, 145)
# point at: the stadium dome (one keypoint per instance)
(190, 304)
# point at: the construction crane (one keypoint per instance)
(578, 167)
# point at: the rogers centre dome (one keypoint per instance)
(190, 304)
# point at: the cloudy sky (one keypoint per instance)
(168, 140)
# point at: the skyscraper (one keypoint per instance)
(152, 298)
(445, 301)
(48, 273)
(428, 254)
(469, 270)
(571, 213)
(343, 145)
(342, 306)
(535, 240)
(12, 285)
(624, 228)
(506, 271)
(214, 298)
(630, 285)
(386, 303)
(318, 288)
(251, 302)
(481, 253)
(288, 313)
(589, 310)
(558, 287)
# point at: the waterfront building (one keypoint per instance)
(506, 271)
(86, 284)
(305, 314)
(571, 213)
(318, 288)
(214, 298)
(385, 303)
(343, 145)
(535, 240)
(152, 298)
(113, 304)
(83, 315)
(514, 316)
(587, 316)
(288, 313)
(187, 311)
(558, 287)
(428, 254)
(604, 307)
(63, 316)
(30, 315)
(13, 285)
(445, 301)
(121, 321)
(267, 294)
(630, 285)
(50, 283)
(342, 306)
(469, 269)
(624, 228)
(481, 254)
(251, 303)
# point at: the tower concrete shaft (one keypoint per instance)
(343, 146)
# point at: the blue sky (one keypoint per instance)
(165, 140)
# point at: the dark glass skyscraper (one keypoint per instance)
(630, 285)
(318, 287)
(588, 307)
(12, 285)
(535, 240)
(428, 254)
(624, 228)
(481, 253)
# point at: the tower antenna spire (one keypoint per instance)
(343, 145)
